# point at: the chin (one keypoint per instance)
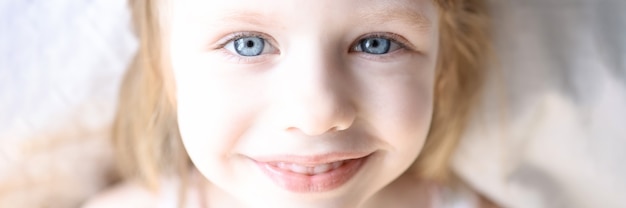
(304, 202)
(351, 195)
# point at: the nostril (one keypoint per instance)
(315, 130)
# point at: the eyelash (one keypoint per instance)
(394, 38)
(234, 36)
(403, 44)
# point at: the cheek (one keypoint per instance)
(400, 108)
(407, 120)
(413, 115)
(213, 111)
(197, 123)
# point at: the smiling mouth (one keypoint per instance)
(308, 177)
(308, 170)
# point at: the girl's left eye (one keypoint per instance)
(249, 46)
(377, 45)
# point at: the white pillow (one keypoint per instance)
(552, 132)
(61, 63)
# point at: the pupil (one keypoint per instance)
(249, 44)
(375, 43)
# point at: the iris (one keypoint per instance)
(249, 46)
(375, 45)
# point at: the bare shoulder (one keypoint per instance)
(125, 194)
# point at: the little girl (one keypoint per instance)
(294, 103)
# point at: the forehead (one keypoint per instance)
(418, 13)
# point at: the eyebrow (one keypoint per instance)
(414, 18)
(376, 16)
(248, 17)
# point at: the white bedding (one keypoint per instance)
(60, 64)
(558, 138)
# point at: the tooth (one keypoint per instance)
(321, 169)
(310, 170)
(282, 165)
(299, 169)
(337, 164)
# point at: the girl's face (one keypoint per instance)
(296, 103)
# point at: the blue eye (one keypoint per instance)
(249, 46)
(374, 45)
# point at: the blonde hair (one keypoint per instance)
(146, 137)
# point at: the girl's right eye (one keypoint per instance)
(249, 46)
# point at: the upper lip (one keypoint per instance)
(312, 159)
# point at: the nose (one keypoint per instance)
(315, 94)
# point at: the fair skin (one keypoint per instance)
(307, 97)
(320, 103)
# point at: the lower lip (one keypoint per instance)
(303, 183)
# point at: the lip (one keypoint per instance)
(310, 183)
